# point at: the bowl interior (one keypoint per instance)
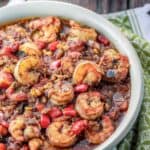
(87, 17)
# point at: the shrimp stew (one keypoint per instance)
(63, 85)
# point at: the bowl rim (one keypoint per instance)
(90, 18)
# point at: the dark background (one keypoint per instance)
(103, 6)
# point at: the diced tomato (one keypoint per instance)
(69, 111)
(55, 64)
(2, 146)
(5, 79)
(53, 46)
(79, 126)
(21, 96)
(7, 49)
(81, 88)
(45, 121)
(11, 48)
(3, 130)
(123, 106)
(55, 112)
(5, 124)
(103, 40)
(41, 44)
(39, 106)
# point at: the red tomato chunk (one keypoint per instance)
(69, 111)
(5, 79)
(55, 112)
(45, 121)
(81, 88)
(79, 126)
(53, 46)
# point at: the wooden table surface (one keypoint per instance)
(102, 6)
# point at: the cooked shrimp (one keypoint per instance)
(25, 70)
(38, 89)
(21, 131)
(16, 32)
(17, 96)
(87, 72)
(114, 65)
(16, 128)
(47, 21)
(49, 27)
(46, 34)
(59, 135)
(89, 105)
(67, 66)
(62, 93)
(30, 49)
(95, 136)
(31, 131)
(35, 144)
(83, 34)
(48, 146)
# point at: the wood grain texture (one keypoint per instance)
(102, 6)
(118, 5)
(90, 4)
(137, 3)
(3, 2)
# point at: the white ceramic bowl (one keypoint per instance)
(87, 17)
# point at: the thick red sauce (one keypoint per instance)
(62, 85)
